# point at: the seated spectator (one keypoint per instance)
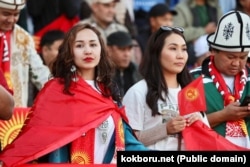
(120, 46)
(103, 17)
(141, 10)
(159, 15)
(50, 43)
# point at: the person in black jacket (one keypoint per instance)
(120, 45)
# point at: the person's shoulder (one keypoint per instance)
(19, 29)
(139, 87)
(53, 84)
(86, 21)
(120, 27)
(21, 34)
(196, 72)
(140, 84)
(137, 92)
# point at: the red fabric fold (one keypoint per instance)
(200, 137)
(57, 119)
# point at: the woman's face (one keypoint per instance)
(173, 55)
(87, 53)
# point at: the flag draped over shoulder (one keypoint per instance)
(192, 97)
(57, 119)
(199, 136)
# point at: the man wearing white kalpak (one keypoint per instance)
(19, 59)
(227, 78)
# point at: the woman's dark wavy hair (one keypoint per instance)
(150, 68)
(103, 71)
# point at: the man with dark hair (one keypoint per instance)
(49, 44)
(103, 17)
(159, 15)
(120, 49)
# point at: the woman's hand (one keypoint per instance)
(176, 125)
(191, 118)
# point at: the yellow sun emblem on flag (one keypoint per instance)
(191, 94)
(11, 128)
(80, 158)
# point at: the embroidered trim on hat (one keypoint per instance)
(228, 31)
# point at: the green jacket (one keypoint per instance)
(214, 99)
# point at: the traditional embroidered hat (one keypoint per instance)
(12, 4)
(232, 33)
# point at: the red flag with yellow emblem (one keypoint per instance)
(199, 136)
(192, 97)
(9, 129)
(57, 119)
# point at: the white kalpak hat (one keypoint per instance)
(12, 4)
(232, 33)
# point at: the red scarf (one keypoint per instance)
(58, 119)
(239, 84)
(5, 56)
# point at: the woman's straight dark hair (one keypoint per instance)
(150, 69)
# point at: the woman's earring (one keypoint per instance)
(73, 70)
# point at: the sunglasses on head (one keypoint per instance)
(166, 28)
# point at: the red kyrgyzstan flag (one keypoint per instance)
(198, 136)
(192, 97)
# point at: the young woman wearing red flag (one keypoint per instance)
(152, 103)
(78, 111)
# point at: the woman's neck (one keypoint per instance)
(171, 81)
(87, 74)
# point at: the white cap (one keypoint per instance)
(201, 46)
(12, 4)
(232, 33)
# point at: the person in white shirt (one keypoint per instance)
(151, 104)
